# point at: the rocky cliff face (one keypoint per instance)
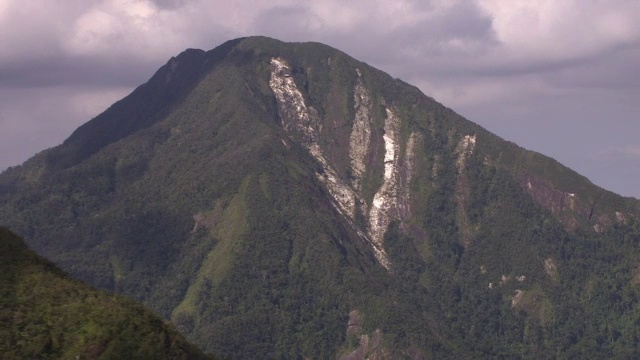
(391, 200)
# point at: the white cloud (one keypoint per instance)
(114, 28)
(553, 30)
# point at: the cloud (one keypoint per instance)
(113, 28)
(423, 40)
(548, 30)
(405, 38)
(76, 70)
(169, 4)
(627, 151)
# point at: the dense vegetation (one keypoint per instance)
(197, 203)
(46, 315)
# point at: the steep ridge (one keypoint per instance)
(46, 315)
(147, 104)
(292, 202)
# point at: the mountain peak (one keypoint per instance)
(260, 193)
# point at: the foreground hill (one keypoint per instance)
(281, 200)
(46, 315)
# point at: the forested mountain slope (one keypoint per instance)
(284, 200)
(46, 315)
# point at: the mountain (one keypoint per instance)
(284, 200)
(46, 315)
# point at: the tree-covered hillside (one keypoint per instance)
(46, 315)
(284, 200)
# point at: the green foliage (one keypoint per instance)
(45, 315)
(188, 196)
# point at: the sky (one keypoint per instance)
(560, 77)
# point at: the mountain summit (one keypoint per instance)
(284, 200)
